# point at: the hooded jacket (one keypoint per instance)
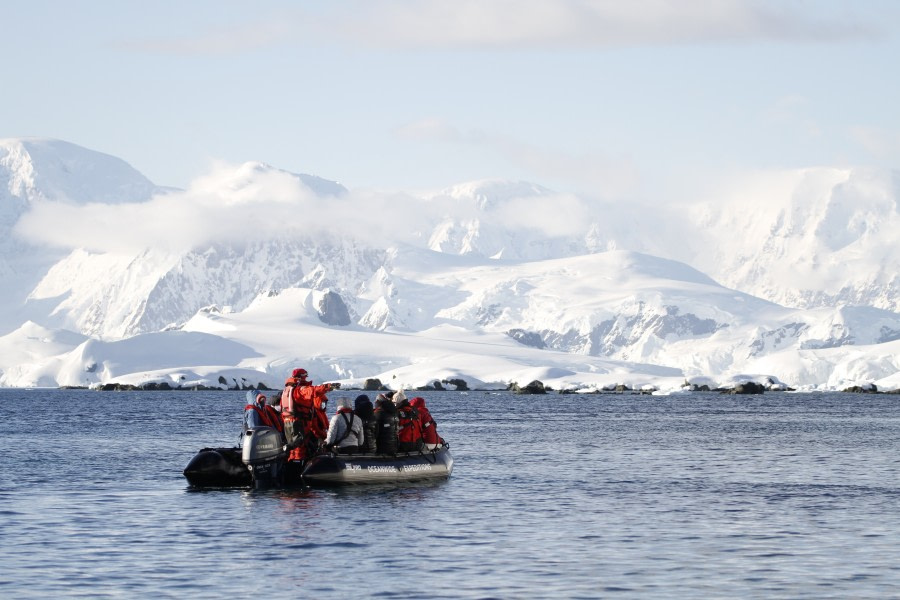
(426, 423)
(386, 424)
(409, 434)
(363, 408)
(345, 429)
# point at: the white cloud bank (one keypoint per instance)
(588, 23)
(255, 201)
(486, 24)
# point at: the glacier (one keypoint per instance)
(789, 277)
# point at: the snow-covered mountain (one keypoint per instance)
(804, 238)
(253, 270)
(35, 172)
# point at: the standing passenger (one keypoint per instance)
(305, 421)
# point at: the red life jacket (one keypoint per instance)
(268, 416)
(275, 418)
(290, 407)
(409, 429)
(302, 401)
(429, 427)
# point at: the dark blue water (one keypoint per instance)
(791, 496)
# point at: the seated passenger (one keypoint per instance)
(409, 435)
(386, 425)
(345, 431)
(430, 436)
(261, 414)
(363, 408)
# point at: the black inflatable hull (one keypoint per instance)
(372, 468)
(222, 467)
(218, 467)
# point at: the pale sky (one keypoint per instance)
(613, 99)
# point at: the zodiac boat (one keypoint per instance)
(262, 462)
(339, 469)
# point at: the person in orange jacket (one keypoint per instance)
(303, 409)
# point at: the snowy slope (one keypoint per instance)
(621, 305)
(118, 295)
(253, 270)
(806, 238)
(278, 331)
(219, 252)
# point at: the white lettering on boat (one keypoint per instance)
(382, 469)
(416, 468)
(401, 468)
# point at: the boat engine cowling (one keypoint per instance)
(264, 454)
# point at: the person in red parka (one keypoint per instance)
(303, 409)
(409, 433)
(426, 424)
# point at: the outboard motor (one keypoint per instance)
(264, 454)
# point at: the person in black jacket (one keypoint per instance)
(386, 423)
(363, 408)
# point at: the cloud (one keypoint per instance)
(522, 24)
(231, 203)
(556, 215)
(235, 204)
(587, 23)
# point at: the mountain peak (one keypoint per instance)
(488, 193)
(247, 175)
(48, 169)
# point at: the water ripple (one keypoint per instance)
(572, 497)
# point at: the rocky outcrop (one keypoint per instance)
(535, 387)
(434, 386)
(333, 311)
(748, 387)
(527, 338)
(460, 384)
(373, 385)
(693, 387)
(869, 388)
(164, 386)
